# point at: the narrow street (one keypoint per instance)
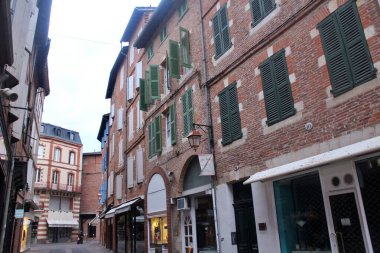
(86, 247)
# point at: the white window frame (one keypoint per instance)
(130, 128)
(113, 145)
(121, 157)
(55, 177)
(57, 154)
(166, 80)
(70, 179)
(138, 73)
(41, 150)
(140, 165)
(120, 118)
(130, 88)
(168, 140)
(119, 182)
(130, 179)
(72, 158)
(121, 79)
(38, 175)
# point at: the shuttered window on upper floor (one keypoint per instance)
(230, 115)
(188, 111)
(220, 24)
(278, 96)
(260, 9)
(346, 51)
(154, 136)
(184, 39)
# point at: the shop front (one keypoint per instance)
(60, 226)
(330, 207)
(157, 215)
(197, 212)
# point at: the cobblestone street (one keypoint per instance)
(86, 247)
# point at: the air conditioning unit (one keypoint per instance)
(182, 204)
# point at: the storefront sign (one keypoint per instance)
(207, 165)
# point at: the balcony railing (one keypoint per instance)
(57, 187)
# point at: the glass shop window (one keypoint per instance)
(158, 233)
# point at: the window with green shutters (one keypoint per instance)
(154, 136)
(230, 115)
(188, 112)
(261, 9)
(184, 39)
(154, 81)
(143, 105)
(278, 97)
(173, 125)
(220, 26)
(148, 98)
(346, 51)
(182, 9)
(174, 59)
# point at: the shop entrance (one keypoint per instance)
(347, 227)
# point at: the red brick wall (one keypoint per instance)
(91, 181)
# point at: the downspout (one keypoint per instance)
(209, 123)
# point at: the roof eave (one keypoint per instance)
(114, 71)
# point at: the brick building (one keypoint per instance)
(285, 97)
(89, 202)
(57, 186)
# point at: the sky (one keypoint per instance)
(85, 41)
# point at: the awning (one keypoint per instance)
(61, 219)
(356, 149)
(125, 207)
(94, 221)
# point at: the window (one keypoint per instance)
(277, 91)
(166, 77)
(42, 128)
(120, 119)
(121, 79)
(261, 9)
(130, 180)
(130, 90)
(182, 9)
(72, 158)
(131, 55)
(163, 34)
(188, 113)
(158, 227)
(222, 39)
(119, 181)
(38, 175)
(154, 130)
(229, 114)
(301, 217)
(70, 179)
(138, 73)
(150, 52)
(173, 124)
(113, 145)
(121, 157)
(140, 165)
(41, 151)
(185, 47)
(168, 141)
(57, 154)
(130, 119)
(59, 132)
(55, 177)
(174, 59)
(346, 51)
(71, 136)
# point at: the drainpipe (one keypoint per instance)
(209, 123)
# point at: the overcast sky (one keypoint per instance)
(85, 37)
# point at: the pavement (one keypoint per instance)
(72, 247)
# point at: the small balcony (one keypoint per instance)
(57, 187)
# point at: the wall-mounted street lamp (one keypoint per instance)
(194, 136)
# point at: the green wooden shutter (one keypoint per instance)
(184, 39)
(174, 59)
(226, 42)
(270, 98)
(158, 134)
(284, 92)
(217, 35)
(154, 81)
(224, 117)
(150, 140)
(256, 11)
(190, 111)
(235, 124)
(173, 126)
(356, 46)
(337, 62)
(148, 98)
(185, 114)
(143, 106)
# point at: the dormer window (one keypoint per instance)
(71, 136)
(59, 132)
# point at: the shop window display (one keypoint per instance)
(158, 233)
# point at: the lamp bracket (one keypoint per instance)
(201, 126)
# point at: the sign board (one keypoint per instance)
(207, 165)
(19, 213)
